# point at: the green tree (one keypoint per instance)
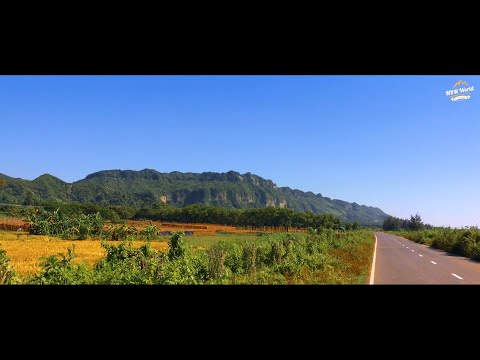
(416, 222)
(29, 199)
(392, 223)
(176, 246)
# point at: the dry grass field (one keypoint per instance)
(11, 223)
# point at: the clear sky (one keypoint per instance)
(396, 142)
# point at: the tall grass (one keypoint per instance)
(464, 242)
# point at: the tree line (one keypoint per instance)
(255, 218)
(415, 223)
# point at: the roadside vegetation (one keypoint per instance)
(463, 242)
(323, 256)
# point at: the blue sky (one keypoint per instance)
(395, 142)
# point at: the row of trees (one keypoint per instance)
(112, 213)
(257, 218)
(415, 223)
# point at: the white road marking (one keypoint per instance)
(420, 255)
(458, 277)
(433, 262)
(413, 250)
(407, 247)
(372, 274)
(403, 245)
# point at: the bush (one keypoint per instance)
(55, 223)
(119, 233)
(150, 232)
(176, 246)
(7, 274)
(464, 242)
(249, 257)
(216, 262)
(59, 270)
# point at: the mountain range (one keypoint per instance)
(148, 188)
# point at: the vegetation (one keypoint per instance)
(464, 242)
(415, 223)
(81, 227)
(67, 227)
(7, 274)
(25, 250)
(254, 218)
(86, 220)
(323, 256)
(149, 188)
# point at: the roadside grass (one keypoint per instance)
(463, 242)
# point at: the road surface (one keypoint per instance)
(401, 261)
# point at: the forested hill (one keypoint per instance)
(148, 188)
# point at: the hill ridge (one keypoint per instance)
(149, 187)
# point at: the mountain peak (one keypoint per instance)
(48, 177)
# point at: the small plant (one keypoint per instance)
(59, 270)
(250, 257)
(216, 262)
(176, 246)
(7, 274)
(277, 252)
(150, 232)
(119, 232)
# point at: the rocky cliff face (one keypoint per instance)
(149, 188)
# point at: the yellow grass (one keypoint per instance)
(24, 250)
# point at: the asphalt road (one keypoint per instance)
(401, 261)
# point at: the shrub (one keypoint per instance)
(7, 274)
(176, 246)
(216, 262)
(150, 232)
(54, 223)
(250, 257)
(59, 270)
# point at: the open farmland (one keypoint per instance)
(208, 229)
(12, 224)
(328, 257)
